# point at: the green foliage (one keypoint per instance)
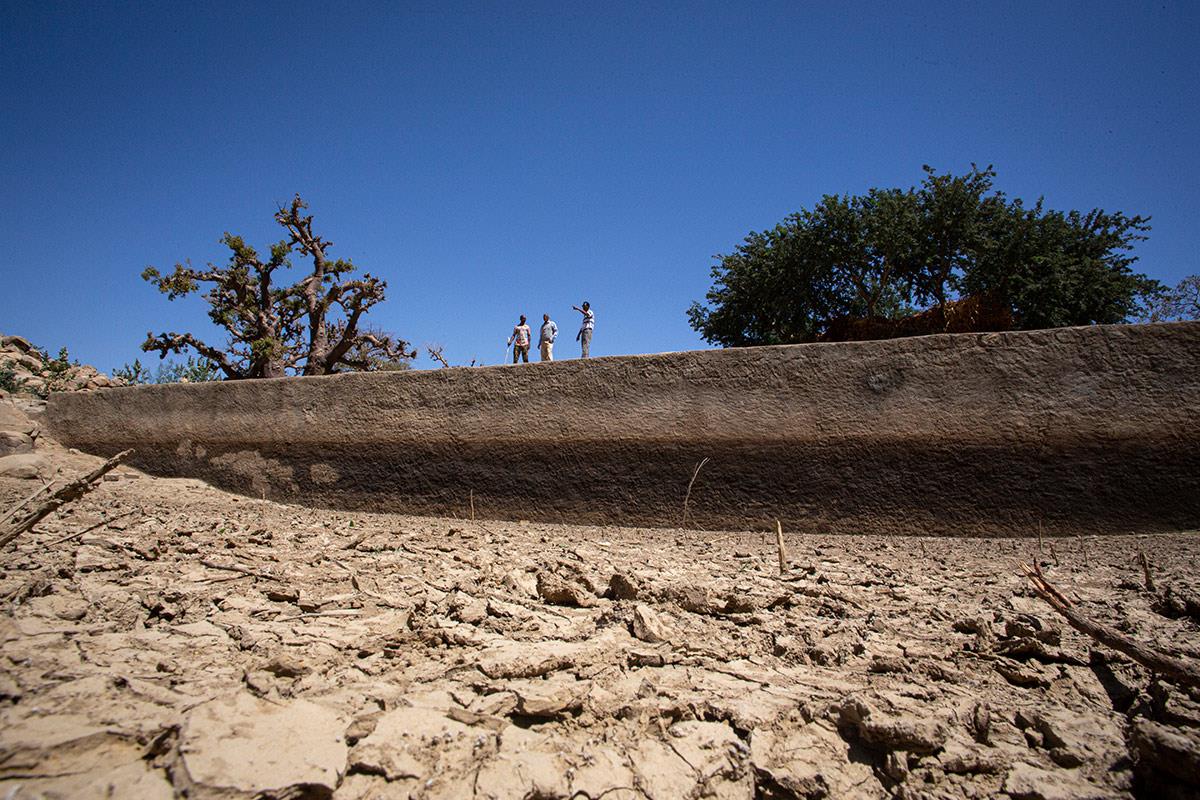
(133, 374)
(57, 371)
(8, 380)
(194, 370)
(882, 254)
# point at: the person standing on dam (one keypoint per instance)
(520, 341)
(549, 334)
(584, 337)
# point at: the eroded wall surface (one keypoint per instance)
(1078, 430)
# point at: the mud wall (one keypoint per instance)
(1078, 430)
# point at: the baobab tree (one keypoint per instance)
(312, 327)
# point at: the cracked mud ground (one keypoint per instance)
(378, 656)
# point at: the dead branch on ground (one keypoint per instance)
(782, 550)
(12, 511)
(1175, 669)
(67, 494)
(239, 569)
(1146, 572)
(688, 496)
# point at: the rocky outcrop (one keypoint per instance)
(29, 370)
(1078, 430)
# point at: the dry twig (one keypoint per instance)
(12, 511)
(688, 496)
(1175, 669)
(782, 551)
(1150, 587)
(239, 569)
(68, 493)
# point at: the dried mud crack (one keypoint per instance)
(164, 639)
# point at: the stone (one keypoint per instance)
(621, 587)
(27, 466)
(556, 696)
(243, 744)
(1027, 782)
(556, 591)
(1160, 750)
(809, 761)
(908, 732)
(646, 626)
(12, 442)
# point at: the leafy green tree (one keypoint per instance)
(312, 327)
(881, 255)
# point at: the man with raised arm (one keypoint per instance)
(584, 337)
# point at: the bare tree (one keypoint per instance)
(313, 327)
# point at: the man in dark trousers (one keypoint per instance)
(584, 337)
(520, 341)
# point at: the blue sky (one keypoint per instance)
(490, 159)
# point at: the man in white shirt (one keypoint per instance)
(584, 337)
(520, 341)
(549, 334)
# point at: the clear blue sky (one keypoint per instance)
(496, 158)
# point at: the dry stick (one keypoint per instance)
(24, 502)
(782, 551)
(240, 570)
(68, 493)
(1146, 571)
(688, 496)
(1175, 669)
(472, 505)
(91, 528)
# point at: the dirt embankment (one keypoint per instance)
(1079, 430)
(164, 639)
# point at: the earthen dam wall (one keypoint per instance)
(1077, 430)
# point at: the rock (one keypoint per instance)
(1027, 782)
(809, 761)
(90, 557)
(556, 591)
(520, 583)
(15, 442)
(1025, 675)
(920, 735)
(1030, 626)
(18, 343)
(26, 466)
(555, 697)
(647, 626)
(246, 745)
(508, 659)
(697, 599)
(1074, 736)
(621, 587)
(424, 746)
(285, 665)
(1160, 751)
(887, 664)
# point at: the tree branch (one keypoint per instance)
(72, 491)
(1175, 669)
(175, 343)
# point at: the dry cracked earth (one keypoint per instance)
(164, 639)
